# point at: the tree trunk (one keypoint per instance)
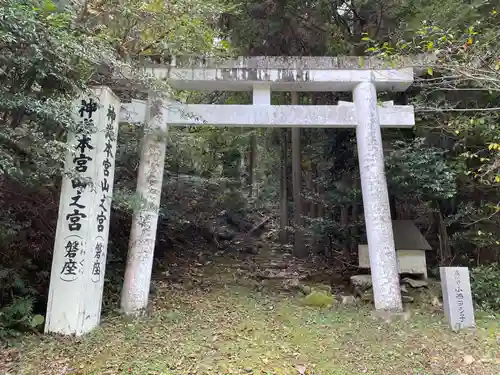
(252, 156)
(394, 207)
(300, 249)
(284, 187)
(354, 228)
(320, 209)
(344, 222)
(311, 191)
(444, 243)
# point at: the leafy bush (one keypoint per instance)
(413, 168)
(18, 314)
(486, 286)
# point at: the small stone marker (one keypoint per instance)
(457, 297)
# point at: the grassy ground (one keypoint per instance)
(226, 326)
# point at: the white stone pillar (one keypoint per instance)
(135, 292)
(383, 262)
(262, 94)
(79, 260)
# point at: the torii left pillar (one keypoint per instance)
(80, 249)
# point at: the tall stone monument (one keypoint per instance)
(80, 249)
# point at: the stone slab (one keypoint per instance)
(277, 66)
(302, 62)
(77, 276)
(261, 115)
(280, 79)
(457, 297)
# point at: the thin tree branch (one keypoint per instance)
(457, 109)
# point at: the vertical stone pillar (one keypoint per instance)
(383, 262)
(135, 292)
(299, 247)
(79, 260)
(261, 96)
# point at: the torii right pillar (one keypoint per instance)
(382, 252)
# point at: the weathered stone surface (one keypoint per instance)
(296, 62)
(435, 302)
(347, 300)
(80, 249)
(327, 116)
(411, 247)
(415, 283)
(457, 297)
(383, 263)
(468, 359)
(292, 76)
(323, 287)
(363, 282)
(293, 283)
(367, 296)
(305, 289)
(134, 297)
(407, 298)
(278, 274)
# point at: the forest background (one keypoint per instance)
(443, 174)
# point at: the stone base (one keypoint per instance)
(391, 316)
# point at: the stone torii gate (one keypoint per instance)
(80, 249)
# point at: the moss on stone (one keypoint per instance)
(318, 299)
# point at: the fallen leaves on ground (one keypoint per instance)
(230, 328)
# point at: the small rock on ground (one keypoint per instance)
(407, 299)
(468, 359)
(415, 283)
(390, 316)
(318, 299)
(347, 300)
(361, 281)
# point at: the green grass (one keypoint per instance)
(229, 327)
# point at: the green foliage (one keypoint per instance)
(485, 286)
(48, 54)
(418, 170)
(457, 101)
(44, 62)
(159, 28)
(478, 231)
(17, 315)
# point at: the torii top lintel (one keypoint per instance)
(289, 73)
